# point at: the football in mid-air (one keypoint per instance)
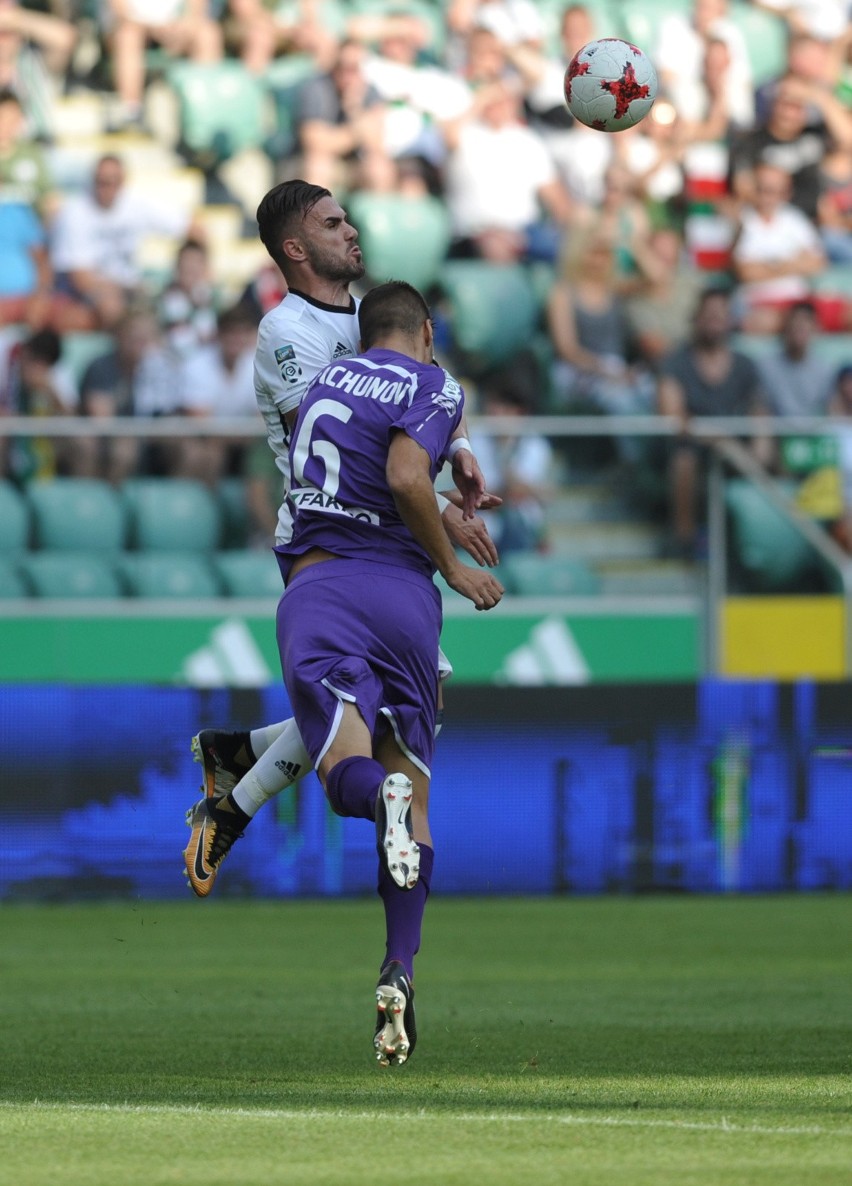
(610, 85)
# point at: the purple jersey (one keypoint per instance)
(338, 456)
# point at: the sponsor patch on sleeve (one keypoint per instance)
(285, 357)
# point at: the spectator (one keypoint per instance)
(259, 30)
(186, 307)
(341, 126)
(811, 59)
(660, 313)
(788, 142)
(33, 383)
(35, 48)
(835, 207)
(680, 58)
(621, 219)
(264, 291)
(420, 95)
(840, 410)
(704, 377)
(218, 381)
(496, 209)
(581, 155)
(25, 273)
(182, 28)
(137, 378)
(589, 330)
(797, 381)
(776, 252)
(519, 469)
(96, 244)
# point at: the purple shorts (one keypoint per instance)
(366, 633)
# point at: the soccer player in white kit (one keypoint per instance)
(306, 233)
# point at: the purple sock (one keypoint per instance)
(404, 912)
(352, 787)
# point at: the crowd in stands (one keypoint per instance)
(659, 257)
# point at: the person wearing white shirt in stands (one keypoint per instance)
(96, 241)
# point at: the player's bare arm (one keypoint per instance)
(411, 485)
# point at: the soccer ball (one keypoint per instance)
(610, 85)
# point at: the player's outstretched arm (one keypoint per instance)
(410, 482)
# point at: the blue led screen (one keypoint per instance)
(719, 786)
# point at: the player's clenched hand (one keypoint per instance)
(471, 535)
(483, 589)
(469, 478)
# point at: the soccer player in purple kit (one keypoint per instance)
(308, 235)
(359, 621)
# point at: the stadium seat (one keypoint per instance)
(766, 548)
(493, 307)
(535, 574)
(12, 583)
(403, 238)
(835, 280)
(172, 515)
(765, 37)
(641, 20)
(179, 575)
(231, 496)
(71, 574)
(248, 573)
(71, 514)
(283, 78)
(80, 349)
(223, 109)
(14, 519)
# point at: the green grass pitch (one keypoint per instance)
(593, 1042)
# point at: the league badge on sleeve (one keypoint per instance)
(449, 397)
(290, 370)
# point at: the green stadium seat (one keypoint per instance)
(283, 79)
(12, 583)
(71, 575)
(641, 20)
(173, 575)
(402, 238)
(767, 549)
(765, 37)
(248, 573)
(231, 496)
(835, 280)
(223, 109)
(537, 574)
(493, 308)
(172, 515)
(77, 514)
(80, 349)
(14, 519)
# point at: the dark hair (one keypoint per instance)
(395, 307)
(280, 210)
(238, 316)
(192, 245)
(45, 345)
(711, 293)
(800, 307)
(8, 95)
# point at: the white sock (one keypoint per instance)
(262, 739)
(284, 761)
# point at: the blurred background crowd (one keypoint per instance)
(698, 264)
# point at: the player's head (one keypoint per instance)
(307, 233)
(396, 312)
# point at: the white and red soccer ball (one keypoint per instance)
(610, 85)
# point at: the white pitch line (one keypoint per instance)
(721, 1126)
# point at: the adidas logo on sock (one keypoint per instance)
(289, 769)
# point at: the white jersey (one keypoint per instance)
(296, 340)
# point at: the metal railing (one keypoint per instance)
(722, 435)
